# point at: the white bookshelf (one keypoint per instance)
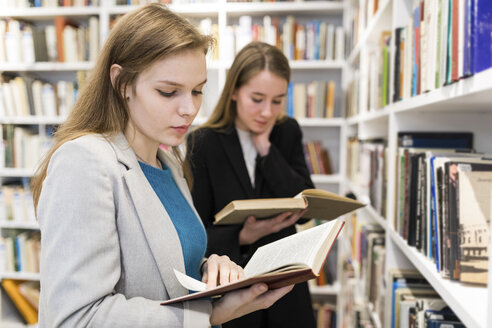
(461, 106)
(330, 131)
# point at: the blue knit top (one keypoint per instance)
(191, 233)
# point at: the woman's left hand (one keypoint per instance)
(220, 270)
(262, 140)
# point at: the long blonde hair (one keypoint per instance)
(250, 60)
(138, 40)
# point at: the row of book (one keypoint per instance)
(443, 202)
(399, 298)
(325, 314)
(317, 157)
(22, 146)
(362, 15)
(16, 204)
(366, 167)
(19, 251)
(24, 295)
(313, 40)
(315, 99)
(63, 41)
(443, 42)
(363, 273)
(47, 3)
(27, 96)
(414, 303)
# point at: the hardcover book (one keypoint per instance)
(290, 260)
(320, 204)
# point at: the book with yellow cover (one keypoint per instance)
(290, 260)
(320, 204)
(29, 313)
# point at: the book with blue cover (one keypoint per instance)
(481, 35)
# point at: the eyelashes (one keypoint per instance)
(173, 93)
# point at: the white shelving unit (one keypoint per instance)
(330, 131)
(461, 106)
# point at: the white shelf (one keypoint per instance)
(336, 122)
(49, 13)
(19, 225)
(473, 94)
(16, 172)
(31, 120)
(327, 290)
(325, 178)
(297, 7)
(20, 276)
(469, 303)
(470, 94)
(46, 67)
(316, 64)
(14, 324)
(375, 115)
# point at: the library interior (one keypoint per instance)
(394, 101)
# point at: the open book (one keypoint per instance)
(287, 261)
(321, 205)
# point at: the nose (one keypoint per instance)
(188, 106)
(266, 111)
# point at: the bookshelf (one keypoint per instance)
(222, 15)
(463, 105)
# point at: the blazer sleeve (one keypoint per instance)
(80, 257)
(284, 168)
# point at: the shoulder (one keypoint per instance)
(288, 126)
(203, 138)
(202, 134)
(90, 150)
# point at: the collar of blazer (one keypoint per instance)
(158, 228)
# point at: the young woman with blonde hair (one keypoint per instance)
(248, 149)
(115, 211)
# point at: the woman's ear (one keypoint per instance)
(114, 71)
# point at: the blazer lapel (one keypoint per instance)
(232, 146)
(155, 221)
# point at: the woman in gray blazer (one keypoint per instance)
(114, 208)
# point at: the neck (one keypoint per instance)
(152, 162)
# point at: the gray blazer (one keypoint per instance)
(108, 244)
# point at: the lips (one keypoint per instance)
(182, 128)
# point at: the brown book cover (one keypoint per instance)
(321, 205)
(290, 260)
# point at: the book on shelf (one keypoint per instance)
(474, 198)
(290, 260)
(400, 278)
(28, 312)
(320, 204)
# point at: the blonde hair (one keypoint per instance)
(254, 58)
(138, 40)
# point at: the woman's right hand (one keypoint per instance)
(254, 229)
(240, 302)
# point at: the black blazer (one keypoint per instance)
(220, 176)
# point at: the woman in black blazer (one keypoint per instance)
(249, 149)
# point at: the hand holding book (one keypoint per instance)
(287, 261)
(320, 204)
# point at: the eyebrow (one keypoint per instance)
(261, 94)
(179, 84)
